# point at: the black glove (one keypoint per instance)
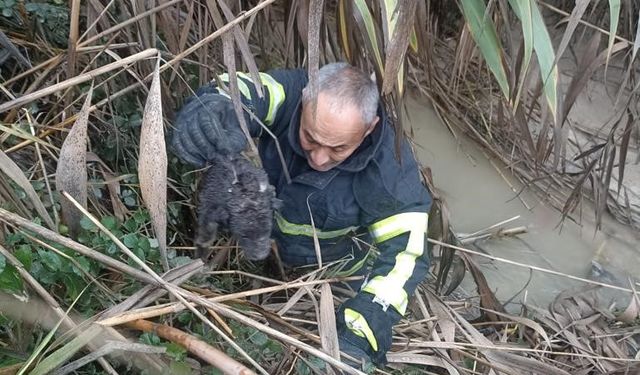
(379, 321)
(207, 126)
(362, 359)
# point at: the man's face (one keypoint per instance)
(334, 135)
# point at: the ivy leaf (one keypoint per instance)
(24, 255)
(259, 339)
(109, 222)
(10, 279)
(87, 224)
(130, 240)
(73, 286)
(51, 260)
(143, 244)
(175, 351)
(84, 266)
(150, 339)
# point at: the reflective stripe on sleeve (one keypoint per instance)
(396, 225)
(389, 290)
(276, 96)
(359, 326)
(242, 85)
(275, 89)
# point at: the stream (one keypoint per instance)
(478, 196)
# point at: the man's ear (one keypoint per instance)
(372, 126)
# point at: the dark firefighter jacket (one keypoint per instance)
(371, 196)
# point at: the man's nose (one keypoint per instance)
(320, 156)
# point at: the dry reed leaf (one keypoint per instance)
(313, 39)
(574, 19)
(398, 43)
(294, 299)
(113, 186)
(152, 164)
(11, 169)
(421, 359)
(327, 322)
(527, 322)
(301, 18)
(71, 172)
(447, 325)
(80, 78)
(636, 43)
(488, 299)
(243, 46)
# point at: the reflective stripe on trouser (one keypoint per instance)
(276, 92)
(389, 290)
(359, 326)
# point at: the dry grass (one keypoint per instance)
(231, 309)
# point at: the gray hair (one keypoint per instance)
(346, 84)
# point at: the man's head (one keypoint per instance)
(347, 102)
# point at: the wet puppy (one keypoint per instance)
(235, 195)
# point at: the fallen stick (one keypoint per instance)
(535, 268)
(199, 348)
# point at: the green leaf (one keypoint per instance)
(185, 317)
(87, 224)
(141, 217)
(176, 351)
(259, 338)
(109, 222)
(50, 259)
(139, 253)
(10, 279)
(130, 225)
(63, 354)
(84, 264)
(614, 16)
(73, 285)
(47, 277)
(365, 21)
(150, 339)
(3, 262)
(40, 348)
(522, 9)
(24, 255)
(484, 33)
(318, 363)
(112, 249)
(144, 244)
(130, 240)
(546, 58)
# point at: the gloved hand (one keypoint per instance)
(207, 126)
(365, 328)
(362, 359)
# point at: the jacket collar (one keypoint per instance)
(360, 157)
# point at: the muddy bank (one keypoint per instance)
(480, 192)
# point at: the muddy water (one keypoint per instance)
(478, 196)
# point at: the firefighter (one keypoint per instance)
(343, 170)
